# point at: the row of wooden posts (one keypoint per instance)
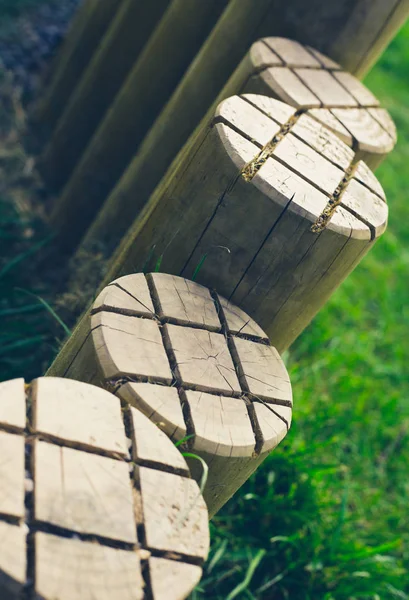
(226, 143)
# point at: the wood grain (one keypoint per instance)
(207, 403)
(265, 258)
(92, 516)
(13, 404)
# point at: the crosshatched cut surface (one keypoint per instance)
(92, 497)
(306, 79)
(219, 367)
(272, 206)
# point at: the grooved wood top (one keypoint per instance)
(98, 492)
(306, 79)
(303, 167)
(215, 353)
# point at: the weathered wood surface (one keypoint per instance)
(265, 258)
(151, 80)
(111, 63)
(87, 29)
(305, 80)
(353, 33)
(201, 375)
(92, 497)
(278, 68)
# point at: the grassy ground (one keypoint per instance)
(326, 516)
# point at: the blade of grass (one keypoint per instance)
(249, 575)
(49, 309)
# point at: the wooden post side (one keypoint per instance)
(353, 33)
(266, 258)
(96, 501)
(115, 144)
(108, 69)
(197, 366)
(88, 27)
(278, 68)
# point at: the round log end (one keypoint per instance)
(96, 501)
(306, 79)
(194, 363)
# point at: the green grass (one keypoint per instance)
(327, 516)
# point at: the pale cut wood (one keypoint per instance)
(196, 407)
(12, 475)
(88, 27)
(281, 82)
(284, 412)
(78, 413)
(222, 425)
(385, 120)
(326, 87)
(238, 322)
(138, 288)
(114, 296)
(185, 301)
(352, 33)
(324, 60)
(364, 174)
(325, 116)
(71, 569)
(373, 141)
(174, 513)
(203, 359)
(313, 167)
(167, 574)
(151, 444)
(319, 137)
(286, 86)
(83, 492)
(369, 206)
(262, 371)
(82, 532)
(273, 259)
(12, 560)
(358, 90)
(292, 53)
(279, 112)
(129, 346)
(159, 403)
(13, 404)
(273, 429)
(110, 64)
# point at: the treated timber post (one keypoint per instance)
(275, 223)
(280, 68)
(123, 42)
(96, 502)
(88, 27)
(354, 33)
(195, 364)
(152, 80)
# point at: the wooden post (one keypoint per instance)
(96, 502)
(352, 32)
(88, 27)
(108, 69)
(244, 212)
(148, 87)
(195, 364)
(281, 69)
